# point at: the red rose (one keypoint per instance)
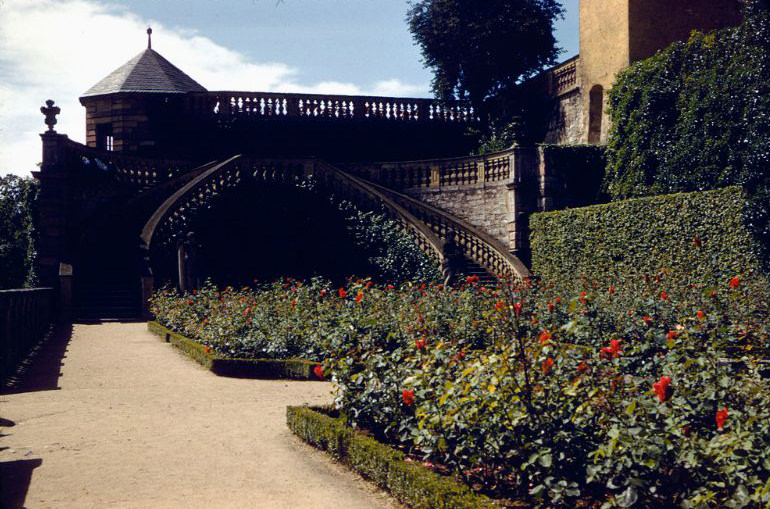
(517, 308)
(672, 334)
(735, 282)
(544, 337)
(207, 349)
(661, 388)
(294, 302)
(318, 371)
(663, 295)
(246, 311)
(342, 293)
(721, 417)
(696, 241)
(700, 314)
(499, 305)
(547, 365)
(583, 367)
(472, 279)
(612, 351)
(323, 292)
(647, 319)
(359, 297)
(369, 284)
(390, 287)
(190, 302)
(420, 343)
(551, 307)
(408, 397)
(583, 298)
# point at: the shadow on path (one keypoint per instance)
(41, 370)
(14, 481)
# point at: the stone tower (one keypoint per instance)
(136, 108)
(617, 33)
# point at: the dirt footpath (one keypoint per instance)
(135, 424)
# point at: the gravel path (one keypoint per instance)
(135, 424)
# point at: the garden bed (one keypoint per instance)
(297, 369)
(411, 483)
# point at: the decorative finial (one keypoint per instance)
(50, 111)
(149, 38)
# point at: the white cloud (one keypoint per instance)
(57, 49)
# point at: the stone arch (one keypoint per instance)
(595, 114)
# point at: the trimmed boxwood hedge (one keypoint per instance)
(608, 244)
(412, 484)
(299, 369)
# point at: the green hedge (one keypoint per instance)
(579, 171)
(617, 243)
(412, 484)
(299, 369)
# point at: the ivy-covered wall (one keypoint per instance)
(696, 237)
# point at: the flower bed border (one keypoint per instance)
(410, 483)
(298, 369)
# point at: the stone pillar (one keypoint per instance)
(65, 293)
(547, 184)
(522, 189)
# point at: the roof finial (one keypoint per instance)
(149, 38)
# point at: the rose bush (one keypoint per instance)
(650, 398)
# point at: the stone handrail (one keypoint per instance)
(142, 172)
(456, 171)
(25, 318)
(482, 248)
(330, 107)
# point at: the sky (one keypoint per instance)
(57, 49)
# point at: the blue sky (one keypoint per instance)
(57, 49)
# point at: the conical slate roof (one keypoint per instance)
(147, 72)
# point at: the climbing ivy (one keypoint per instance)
(695, 116)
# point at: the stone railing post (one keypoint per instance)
(65, 292)
(546, 183)
(521, 199)
(435, 175)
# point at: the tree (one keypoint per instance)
(17, 231)
(481, 50)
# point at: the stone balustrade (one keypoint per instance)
(140, 172)
(264, 105)
(458, 171)
(564, 78)
(25, 318)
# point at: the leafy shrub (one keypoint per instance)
(696, 237)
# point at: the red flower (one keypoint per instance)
(557, 300)
(408, 397)
(544, 337)
(318, 371)
(207, 349)
(551, 307)
(611, 290)
(246, 311)
(190, 302)
(499, 305)
(583, 296)
(583, 367)
(700, 314)
(721, 417)
(696, 241)
(420, 344)
(663, 295)
(672, 334)
(547, 365)
(472, 279)
(661, 388)
(359, 297)
(647, 319)
(323, 292)
(195, 292)
(735, 282)
(342, 293)
(460, 355)
(612, 351)
(517, 308)
(713, 294)
(390, 287)
(294, 302)
(369, 284)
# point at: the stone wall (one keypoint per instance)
(482, 205)
(566, 125)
